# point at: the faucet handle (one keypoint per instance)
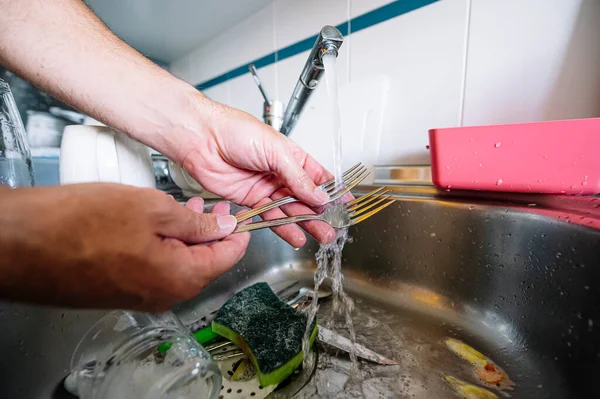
(252, 69)
(272, 110)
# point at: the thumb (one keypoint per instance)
(194, 228)
(289, 170)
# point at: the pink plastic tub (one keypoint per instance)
(557, 157)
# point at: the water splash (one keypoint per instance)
(329, 266)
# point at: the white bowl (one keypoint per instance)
(100, 154)
(184, 180)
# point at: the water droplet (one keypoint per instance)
(480, 165)
(498, 144)
(573, 186)
(584, 182)
(449, 186)
(447, 167)
(558, 255)
(499, 182)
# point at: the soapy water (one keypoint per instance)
(336, 376)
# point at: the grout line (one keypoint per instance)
(274, 5)
(465, 61)
(349, 41)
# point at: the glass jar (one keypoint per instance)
(15, 158)
(118, 358)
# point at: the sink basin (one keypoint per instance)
(515, 276)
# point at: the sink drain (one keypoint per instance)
(238, 384)
(245, 388)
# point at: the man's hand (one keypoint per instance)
(234, 155)
(62, 47)
(108, 245)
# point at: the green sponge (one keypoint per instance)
(268, 330)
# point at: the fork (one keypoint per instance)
(341, 216)
(351, 178)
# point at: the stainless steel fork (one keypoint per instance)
(338, 216)
(351, 178)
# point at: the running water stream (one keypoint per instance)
(329, 256)
(331, 80)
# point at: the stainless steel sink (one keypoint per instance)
(515, 276)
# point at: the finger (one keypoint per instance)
(289, 232)
(320, 175)
(283, 161)
(221, 208)
(196, 204)
(316, 171)
(192, 227)
(321, 231)
(347, 197)
(263, 188)
(215, 259)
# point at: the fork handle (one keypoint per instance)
(266, 207)
(275, 222)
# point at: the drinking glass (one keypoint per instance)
(15, 158)
(118, 358)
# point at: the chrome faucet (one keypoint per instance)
(329, 41)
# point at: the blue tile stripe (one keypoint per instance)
(371, 18)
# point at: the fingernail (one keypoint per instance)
(330, 236)
(321, 196)
(226, 222)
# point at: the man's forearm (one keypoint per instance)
(64, 48)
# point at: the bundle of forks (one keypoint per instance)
(339, 216)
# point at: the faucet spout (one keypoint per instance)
(329, 41)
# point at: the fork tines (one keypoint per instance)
(351, 178)
(378, 199)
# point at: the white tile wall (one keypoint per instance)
(246, 41)
(475, 61)
(424, 67)
(533, 60)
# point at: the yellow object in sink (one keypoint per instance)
(463, 350)
(468, 391)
